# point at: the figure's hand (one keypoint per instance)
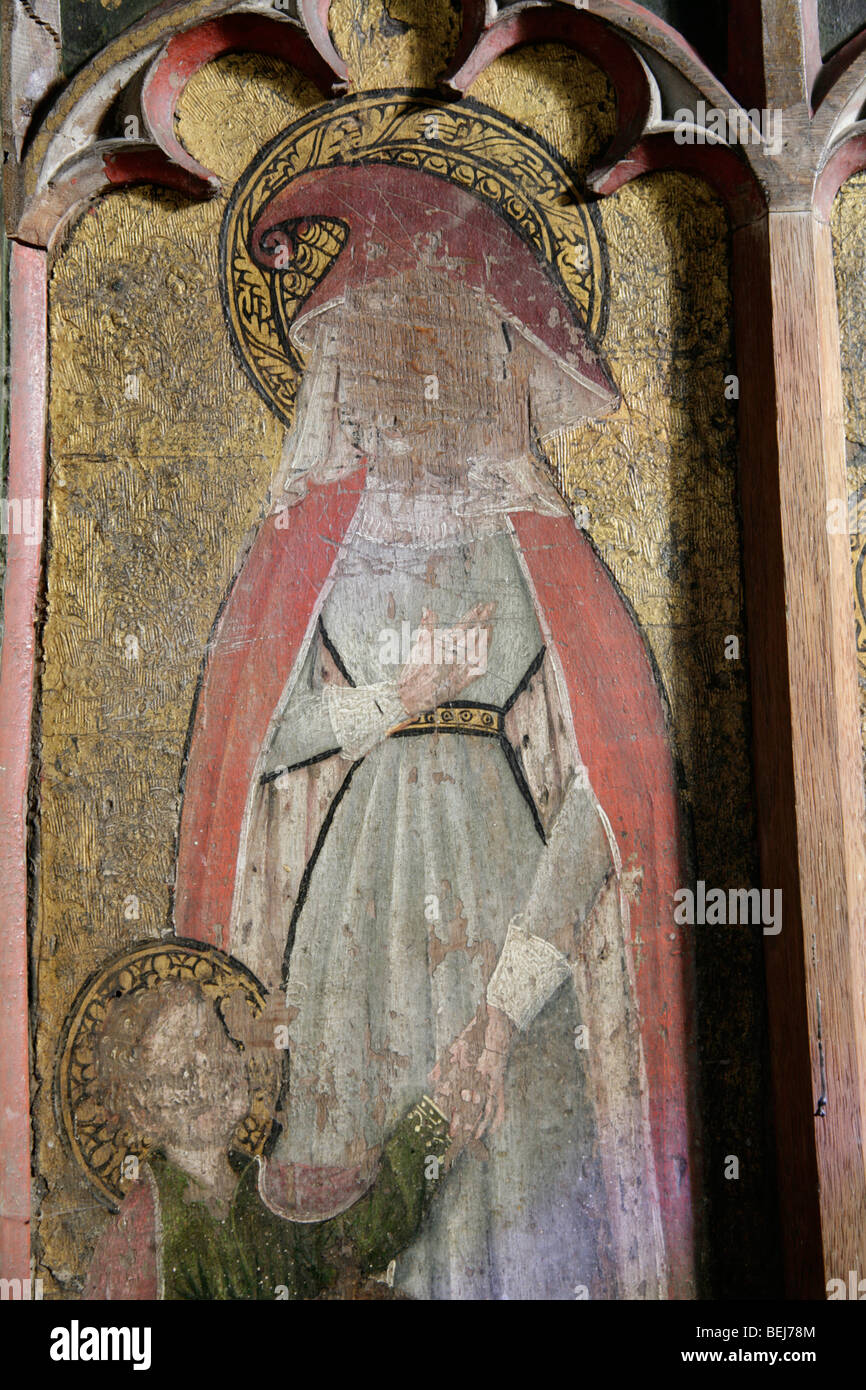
(469, 1082)
(424, 682)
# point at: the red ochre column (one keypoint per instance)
(28, 362)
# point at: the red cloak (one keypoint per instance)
(621, 732)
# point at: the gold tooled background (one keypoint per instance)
(848, 225)
(161, 455)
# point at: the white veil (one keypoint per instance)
(318, 448)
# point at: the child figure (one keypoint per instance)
(194, 1226)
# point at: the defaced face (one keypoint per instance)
(192, 1089)
(429, 377)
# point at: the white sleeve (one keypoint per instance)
(361, 716)
(573, 868)
(529, 971)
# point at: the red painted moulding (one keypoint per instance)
(110, 164)
(830, 72)
(28, 305)
(187, 52)
(130, 165)
(314, 13)
(581, 31)
(718, 165)
(848, 159)
(601, 40)
(477, 14)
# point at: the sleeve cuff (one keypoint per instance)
(361, 716)
(528, 973)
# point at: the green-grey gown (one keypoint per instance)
(428, 851)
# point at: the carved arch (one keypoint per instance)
(70, 160)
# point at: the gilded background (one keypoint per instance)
(849, 244)
(160, 461)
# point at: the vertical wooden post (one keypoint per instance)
(27, 314)
(806, 739)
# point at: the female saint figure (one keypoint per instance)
(389, 815)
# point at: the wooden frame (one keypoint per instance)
(808, 782)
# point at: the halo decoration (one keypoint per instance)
(464, 143)
(100, 1142)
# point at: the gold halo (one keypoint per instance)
(465, 143)
(98, 1141)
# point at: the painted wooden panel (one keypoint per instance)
(192, 593)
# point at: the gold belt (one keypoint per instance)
(454, 719)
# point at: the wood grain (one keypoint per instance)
(808, 784)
